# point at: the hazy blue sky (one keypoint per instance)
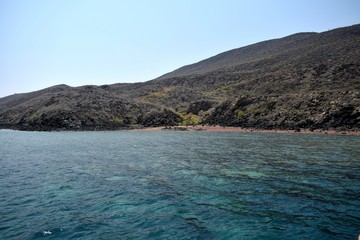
(79, 42)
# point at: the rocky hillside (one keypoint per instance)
(306, 80)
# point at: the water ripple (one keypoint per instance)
(166, 185)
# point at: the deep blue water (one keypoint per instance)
(178, 185)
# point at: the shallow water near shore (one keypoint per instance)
(178, 185)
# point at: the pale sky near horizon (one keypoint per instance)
(95, 42)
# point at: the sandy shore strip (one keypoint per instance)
(241, 130)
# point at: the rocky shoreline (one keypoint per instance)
(191, 128)
(218, 128)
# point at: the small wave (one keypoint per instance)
(46, 232)
(114, 178)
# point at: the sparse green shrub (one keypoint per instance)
(240, 114)
(190, 119)
(118, 120)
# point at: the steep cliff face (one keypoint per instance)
(306, 80)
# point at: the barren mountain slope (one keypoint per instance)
(306, 80)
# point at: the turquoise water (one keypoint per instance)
(178, 185)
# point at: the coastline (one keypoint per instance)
(220, 129)
(198, 128)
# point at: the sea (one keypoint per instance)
(178, 185)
